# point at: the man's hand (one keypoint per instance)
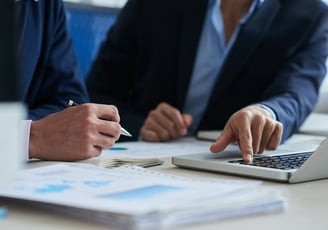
(253, 129)
(76, 133)
(165, 123)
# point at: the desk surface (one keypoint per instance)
(307, 208)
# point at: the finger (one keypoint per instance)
(266, 135)
(225, 138)
(108, 128)
(175, 116)
(257, 132)
(164, 127)
(158, 121)
(276, 136)
(96, 151)
(106, 112)
(187, 120)
(244, 137)
(239, 129)
(153, 125)
(245, 145)
(100, 139)
(104, 141)
(149, 135)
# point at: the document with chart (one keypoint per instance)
(131, 197)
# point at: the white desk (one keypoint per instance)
(307, 209)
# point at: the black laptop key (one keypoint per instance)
(285, 162)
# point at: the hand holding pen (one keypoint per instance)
(76, 133)
(123, 131)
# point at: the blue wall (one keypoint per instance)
(88, 28)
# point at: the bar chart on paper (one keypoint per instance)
(136, 198)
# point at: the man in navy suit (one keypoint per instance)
(250, 67)
(49, 77)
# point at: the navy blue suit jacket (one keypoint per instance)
(278, 60)
(47, 66)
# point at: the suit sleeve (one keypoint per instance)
(61, 79)
(294, 93)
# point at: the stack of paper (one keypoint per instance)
(137, 198)
(110, 162)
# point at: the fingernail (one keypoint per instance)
(249, 158)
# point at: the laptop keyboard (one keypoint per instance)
(285, 162)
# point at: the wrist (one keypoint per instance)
(269, 110)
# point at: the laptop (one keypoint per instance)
(290, 163)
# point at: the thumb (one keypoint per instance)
(222, 141)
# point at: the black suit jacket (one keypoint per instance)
(278, 60)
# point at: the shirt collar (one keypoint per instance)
(253, 7)
(256, 2)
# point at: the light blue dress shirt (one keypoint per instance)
(211, 54)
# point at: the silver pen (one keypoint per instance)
(123, 131)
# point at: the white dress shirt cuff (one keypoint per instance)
(26, 127)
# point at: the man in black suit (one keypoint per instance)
(250, 67)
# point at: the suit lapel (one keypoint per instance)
(191, 23)
(250, 36)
